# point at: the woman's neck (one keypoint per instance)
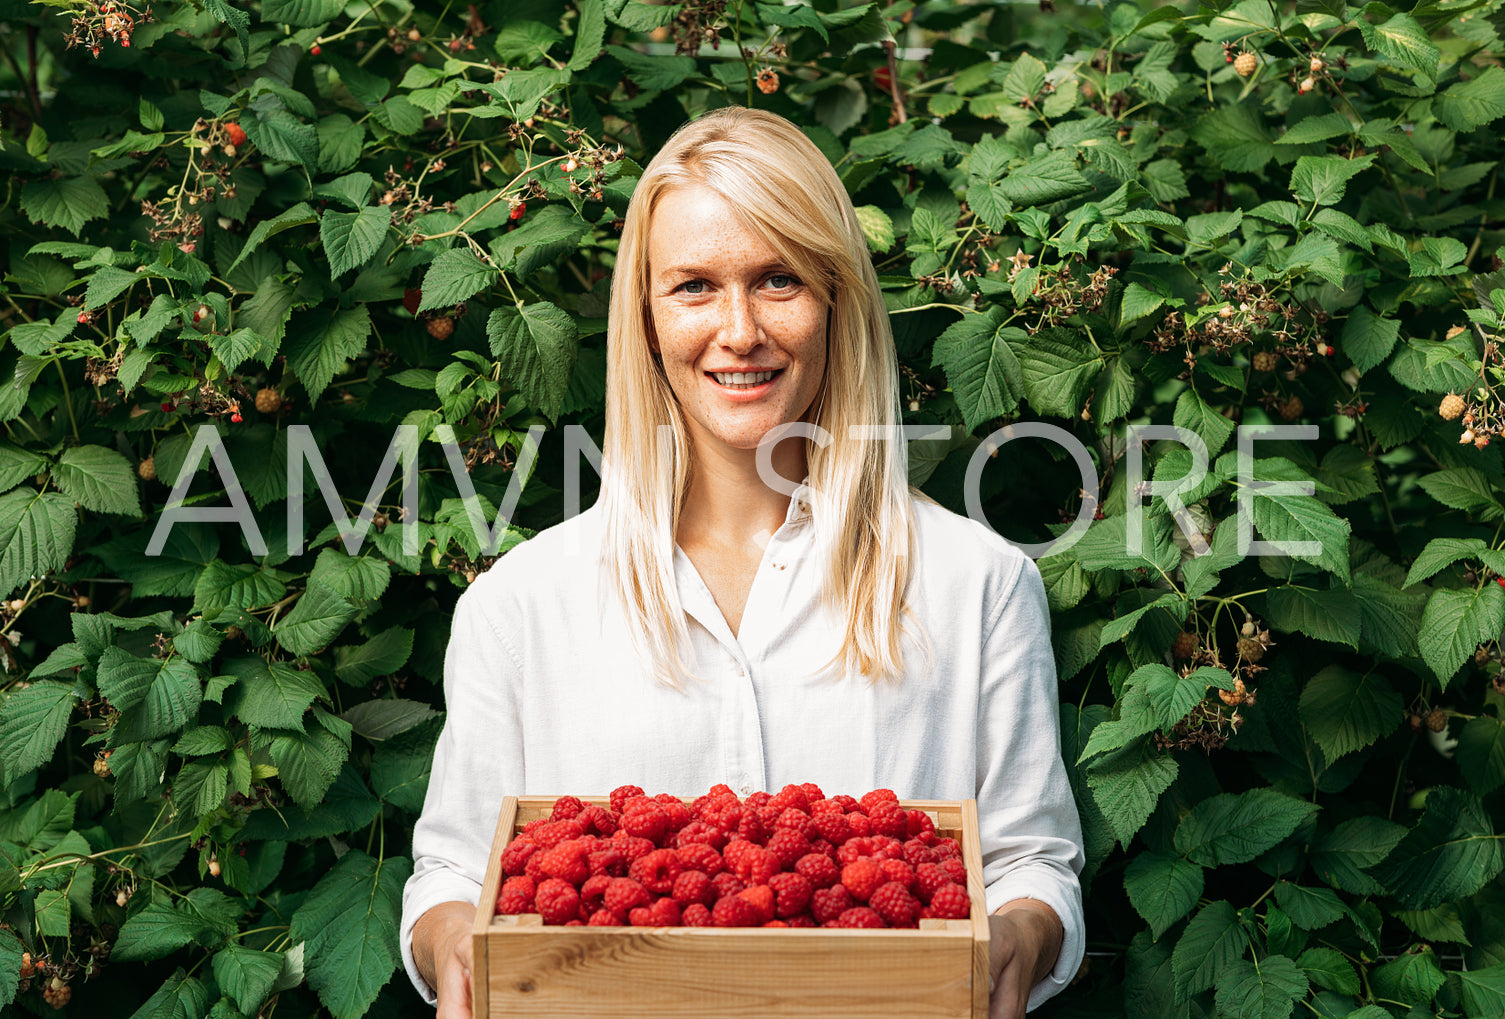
(729, 506)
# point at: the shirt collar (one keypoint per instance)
(799, 503)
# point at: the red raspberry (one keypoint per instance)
(848, 803)
(732, 854)
(888, 819)
(854, 848)
(762, 898)
(517, 213)
(948, 847)
(656, 871)
(919, 822)
(793, 892)
(751, 827)
(917, 852)
(794, 819)
(758, 800)
(567, 861)
(623, 894)
(632, 847)
(800, 920)
(517, 896)
(791, 796)
(757, 865)
(812, 791)
(955, 869)
(696, 915)
(593, 892)
(776, 923)
(665, 913)
(603, 917)
(723, 813)
(886, 847)
(824, 848)
(621, 794)
(646, 819)
(828, 903)
(893, 902)
(557, 900)
(826, 806)
(870, 799)
(550, 833)
(577, 922)
(860, 916)
(599, 820)
(929, 877)
(412, 299)
(831, 826)
(533, 868)
(787, 846)
(898, 870)
(640, 916)
(950, 902)
(819, 869)
(693, 886)
(679, 814)
(735, 911)
(515, 856)
(859, 824)
(566, 807)
(862, 878)
(700, 832)
(610, 861)
(697, 856)
(727, 884)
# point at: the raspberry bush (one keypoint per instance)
(287, 224)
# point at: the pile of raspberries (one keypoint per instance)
(794, 859)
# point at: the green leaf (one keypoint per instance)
(1342, 856)
(1405, 42)
(1047, 178)
(456, 275)
(1481, 753)
(1237, 827)
(99, 479)
(400, 766)
(162, 928)
(1367, 338)
(1468, 105)
(986, 377)
(317, 618)
(1162, 888)
(1326, 615)
(1289, 519)
(382, 655)
(17, 464)
(36, 532)
(1209, 946)
(1237, 138)
(1024, 80)
(1267, 989)
(1437, 256)
(348, 925)
(1324, 179)
(1193, 413)
(1136, 303)
(1413, 979)
(298, 215)
(351, 238)
(1327, 967)
(362, 578)
(67, 202)
(1171, 695)
(203, 740)
(182, 996)
(536, 345)
(1316, 129)
(1309, 908)
(323, 342)
(543, 239)
(273, 696)
(1127, 784)
(590, 32)
(32, 723)
(1058, 367)
(384, 718)
(1441, 553)
(652, 73)
(222, 585)
(246, 974)
(1125, 624)
(283, 137)
(1346, 711)
(307, 763)
(1463, 488)
(1455, 623)
(1483, 990)
(167, 691)
(10, 966)
(877, 228)
(1450, 854)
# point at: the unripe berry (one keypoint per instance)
(414, 35)
(570, 166)
(1466, 437)
(441, 328)
(1291, 409)
(200, 313)
(1307, 84)
(315, 49)
(1437, 720)
(1185, 645)
(122, 897)
(1316, 65)
(236, 417)
(1250, 650)
(1265, 360)
(1246, 64)
(16, 604)
(1451, 407)
(213, 866)
(268, 400)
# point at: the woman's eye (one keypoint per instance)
(782, 281)
(693, 287)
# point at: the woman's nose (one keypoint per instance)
(740, 330)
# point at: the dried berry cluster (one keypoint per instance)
(1481, 409)
(698, 24)
(794, 859)
(1063, 290)
(96, 22)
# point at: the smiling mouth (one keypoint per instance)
(744, 380)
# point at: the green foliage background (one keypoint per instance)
(1084, 216)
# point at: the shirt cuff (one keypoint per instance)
(1045, 885)
(418, 897)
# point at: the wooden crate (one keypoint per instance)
(525, 968)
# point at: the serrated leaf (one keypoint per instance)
(1237, 138)
(1346, 711)
(1211, 943)
(986, 377)
(350, 239)
(36, 532)
(1455, 622)
(1194, 414)
(1326, 615)
(246, 974)
(1450, 854)
(384, 718)
(1342, 856)
(273, 696)
(307, 763)
(362, 578)
(99, 479)
(1162, 888)
(1047, 178)
(298, 215)
(67, 202)
(1481, 754)
(348, 925)
(1236, 827)
(1483, 990)
(156, 696)
(1367, 338)
(32, 724)
(455, 275)
(1058, 367)
(1405, 42)
(1413, 979)
(382, 655)
(1291, 519)
(1324, 179)
(1469, 105)
(1127, 784)
(323, 342)
(536, 345)
(318, 617)
(182, 996)
(1326, 967)
(400, 766)
(1267, 989)
(877, 228)
(1309, 908)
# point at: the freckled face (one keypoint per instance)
(743, 339)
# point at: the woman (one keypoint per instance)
(701, 624)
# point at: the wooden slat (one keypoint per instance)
(981, 932)
(491, 887)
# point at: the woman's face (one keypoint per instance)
(724, 306)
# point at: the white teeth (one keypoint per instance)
(742, 378)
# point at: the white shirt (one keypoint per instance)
(545, 697)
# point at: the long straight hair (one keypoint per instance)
(786, 191)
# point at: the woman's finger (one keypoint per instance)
(454, 982)
(1010, 996)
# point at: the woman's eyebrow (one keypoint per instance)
(703, 270)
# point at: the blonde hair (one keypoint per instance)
(785, 190)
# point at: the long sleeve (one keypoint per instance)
(1031, 832)
(478, 760)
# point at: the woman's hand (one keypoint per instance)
(1026, 940)
(443, 952)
